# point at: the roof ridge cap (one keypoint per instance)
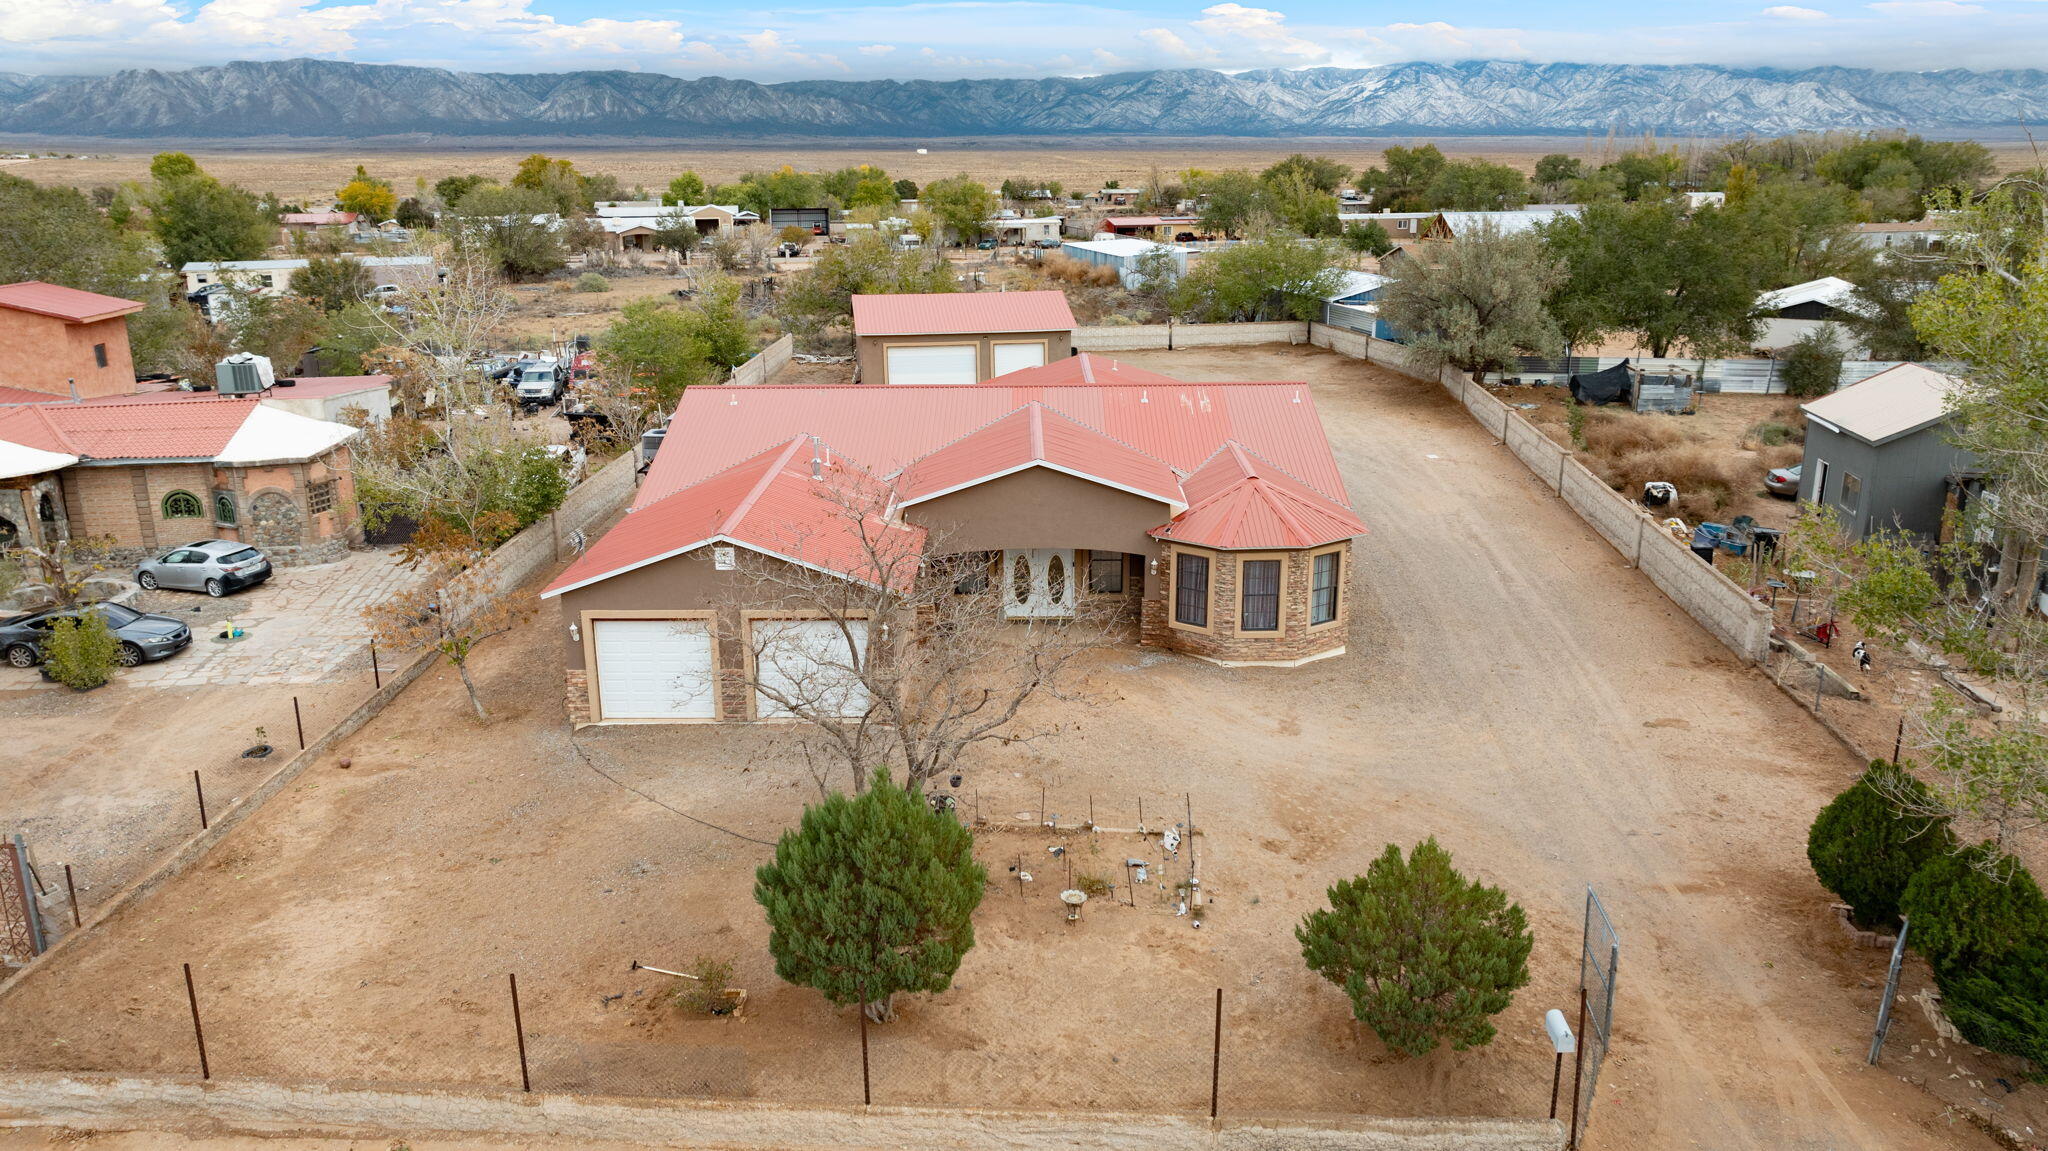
(739, 512)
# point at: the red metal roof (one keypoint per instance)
(885, 428)
(67, 304)
(772, 503)
(318, 219)
(25, 396)
(1082, 368)
(1035, 435)
(961, 313)
(136, 430)
(1249, 462)
(1239, 502)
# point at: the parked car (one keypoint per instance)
(986, 245)
(1046, 242)
(539, 383)
(215, 567)
(143, 637)
(384, 293)
(1783, 481)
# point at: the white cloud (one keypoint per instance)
(1262, 27)
(1794, 12)
(1925, 8)
(875, 49)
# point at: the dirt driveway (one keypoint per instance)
(1511, 689)
(103, 780)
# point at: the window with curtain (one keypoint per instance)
(1322, 599)
(1258, 595)
(1191, 590)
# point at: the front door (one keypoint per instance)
(1038, 583)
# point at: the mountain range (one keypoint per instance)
(338, 99)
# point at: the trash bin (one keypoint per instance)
(1705, 537)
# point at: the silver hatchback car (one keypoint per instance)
(215, 567)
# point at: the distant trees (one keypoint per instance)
(1476, 186)
(514, 228)
(961, 204)
(451, 189)
(1402, 185)
(686, 189)
(1657, 272)
(1478, 301)
(1274, 275)
(198, 218)
(658, 349)
(822, 295)
(332, 282)
(368, 197)
(1425, 955)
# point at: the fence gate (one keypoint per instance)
(21, 931)
(1598, 955)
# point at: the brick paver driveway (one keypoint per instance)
(304, 624)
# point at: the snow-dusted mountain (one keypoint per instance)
(322, 98)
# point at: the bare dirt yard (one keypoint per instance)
(1716, 456)
(1511, 689)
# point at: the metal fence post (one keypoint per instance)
(198, 1032)
(867, 1091)
(519, 1030)
(1216, 1056)
(1578, 1071)
(1891, 991)
(32, 915)
(299, 723)
(376, 673)
(71, 890)
(200, 790)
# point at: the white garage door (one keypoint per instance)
(934, 364)
(806, 662)
(654, 669)
(1010, 357)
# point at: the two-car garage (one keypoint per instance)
(955, 364)
(667, 670)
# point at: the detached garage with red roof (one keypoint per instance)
(955, 338)
(1209, 519)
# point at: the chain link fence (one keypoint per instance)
(1599, 955)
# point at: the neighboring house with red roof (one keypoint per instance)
(150, 472)
(61, 343)
(957, 337)
(1212, 517)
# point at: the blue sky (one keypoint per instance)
(955, 38)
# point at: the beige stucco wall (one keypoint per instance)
(1039, 508)
(871, 353)
(41, 353)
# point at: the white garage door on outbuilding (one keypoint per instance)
(932, 364)
(1014, 357)
(806, 662)
(654, 669)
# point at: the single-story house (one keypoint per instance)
(1451, 225)
(1118, 197)
(1354, 305)
(1789, 314)
(1023, 229)
(1123, 253)
(274, 277)
(817, 221)
(1398, 225)
(1902, 235)
(1212, 517)
(1153, 227)
(957, 337)
(61, 343)
(151, 471)
(630, 225)
(308, 223)
(1694, 201)
(1877, 452)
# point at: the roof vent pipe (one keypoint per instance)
(817, 467)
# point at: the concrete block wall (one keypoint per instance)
(546, 542)
(763, 368)
(1143, 337)
(1713, 600)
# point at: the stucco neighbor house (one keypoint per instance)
(957, 337)
(61, 343)
(152, 471)
(1878, 454)
(1826, 304)
(1209, 517)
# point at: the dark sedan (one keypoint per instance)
(143, 637)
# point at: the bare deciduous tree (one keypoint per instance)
(916, 661)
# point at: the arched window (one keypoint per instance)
(183, 506)
(223, 507)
